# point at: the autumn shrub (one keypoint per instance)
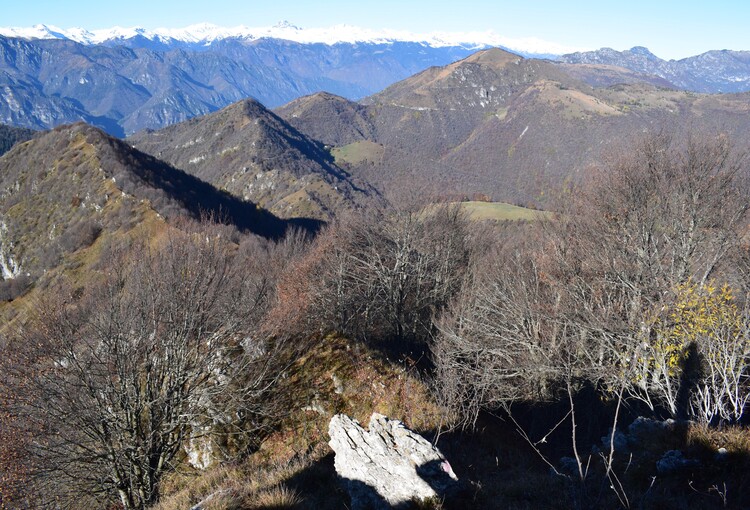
(698, 362)
(614, 291)
(380, 277)
(81, 234)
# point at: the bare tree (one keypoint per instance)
(384, 275)
(623, 291)
(115, 381)
(495, 343)
(585, 301)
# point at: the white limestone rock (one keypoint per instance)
(389, 465)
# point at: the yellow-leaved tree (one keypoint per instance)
(696, 360)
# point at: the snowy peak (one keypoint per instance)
(643, 51)
(206, 33)
(35, 32)
(286, 24)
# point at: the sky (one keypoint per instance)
(670, 29)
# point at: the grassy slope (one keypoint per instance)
(357, 153)
(334, 376)
(500, 211)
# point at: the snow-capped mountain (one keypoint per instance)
(136, 79)
(128, 79)
(205, 34)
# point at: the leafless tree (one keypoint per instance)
(584, 301)
(494, 343)
(113, 382)
(384, 275)
(593, 296)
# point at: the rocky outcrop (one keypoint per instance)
(9, 268)
(388, 465)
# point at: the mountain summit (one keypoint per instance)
(251, 152)
(63, 188)
(498, 125)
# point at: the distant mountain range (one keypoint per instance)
(125, 80)
(722, 71)
(47, 82)
(493, 124)
(202, 36)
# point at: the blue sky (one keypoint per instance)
(670, 29)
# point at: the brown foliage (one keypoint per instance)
(381, 277)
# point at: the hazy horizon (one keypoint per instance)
(671, 30)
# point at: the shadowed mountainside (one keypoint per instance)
(252, 153)
(61, 190)
(9, 136)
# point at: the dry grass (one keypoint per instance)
(500, 211)
(359, 152)
(734, 439)
(427, 504)
(250, 485)
(340, 376)
(241, 497)
(293, 466)
(279, 497)
(572, 104)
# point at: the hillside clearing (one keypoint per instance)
(500, 211)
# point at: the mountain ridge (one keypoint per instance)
(715, 71)
(253, 153)
(134, 82)
(48, 82)
(59, 190)
(205, 34)
(509, 128)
